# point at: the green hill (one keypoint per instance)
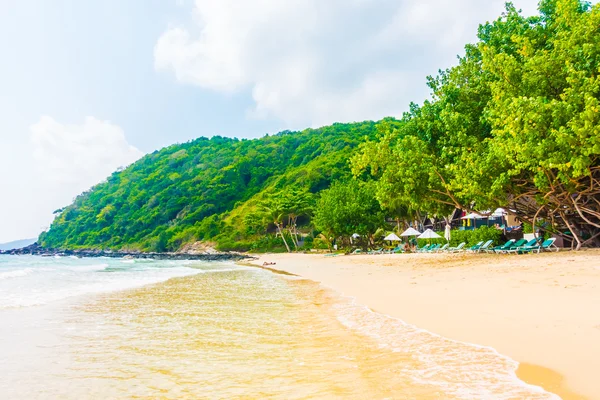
(203, 189)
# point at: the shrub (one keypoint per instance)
(231, 245)
(269, 243)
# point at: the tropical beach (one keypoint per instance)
(540, 310)
(223, 199)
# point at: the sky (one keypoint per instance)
(87, 87)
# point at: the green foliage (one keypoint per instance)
(347, 208)
(515, 124)
(207, 189)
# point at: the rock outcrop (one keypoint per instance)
(37, 250)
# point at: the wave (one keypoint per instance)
(15, 274)
(458, 369)
(47, 280)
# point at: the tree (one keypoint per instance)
(347, 208)
(273, 211)
(515, 124)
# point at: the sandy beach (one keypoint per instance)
(541, 310)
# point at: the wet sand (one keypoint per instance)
(541, 310)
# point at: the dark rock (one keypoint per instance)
(37, 250)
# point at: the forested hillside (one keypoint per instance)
(515, 124)
(186, 192)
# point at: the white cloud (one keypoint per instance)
(316, 61)
(45, 169)
(75, 157)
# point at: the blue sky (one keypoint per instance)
(88, 86)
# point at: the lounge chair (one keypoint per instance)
(357, 251)
(378, 251)
(546, 245)
(531, 244)
(456, 249)
(434, 248)
(515, 245)
(484, 246)
(476, 247)
(398, 249)
(501, 247)
(424, 248)
(443, 248)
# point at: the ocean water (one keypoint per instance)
(123, 329)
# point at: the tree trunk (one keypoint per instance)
(283, 237)
(572, 229)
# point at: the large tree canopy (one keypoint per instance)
(514, 124)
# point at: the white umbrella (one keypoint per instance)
(410, 232)
(392, 237)
(499, 212)
(447, 232)
(355, 235)
(472, 216)
(429, 234)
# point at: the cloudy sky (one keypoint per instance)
(89, 86)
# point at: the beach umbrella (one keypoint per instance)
(499, 212)
(472, 216)
(392, 237)
(355, 236)
(429, 234)
(410, 232)
(447, 232)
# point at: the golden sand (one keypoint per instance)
(540, 310)
(548, 379)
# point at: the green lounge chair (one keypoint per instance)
(485, 246)
(546, 245)
(434, 248)
(456, 249)
(424, 248)
(515, 245)
(501, 247)
(443, 248)
(378, 251)
(476, 247)
(398, 249)
(357, 251)
(530, 244)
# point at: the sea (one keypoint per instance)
(105, 328)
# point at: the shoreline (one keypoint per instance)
(535, 309)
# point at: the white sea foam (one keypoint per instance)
(459, 369)
(15, 273)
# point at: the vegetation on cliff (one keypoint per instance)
(516, 124)
(207, 189)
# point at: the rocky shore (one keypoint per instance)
(37, 250)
